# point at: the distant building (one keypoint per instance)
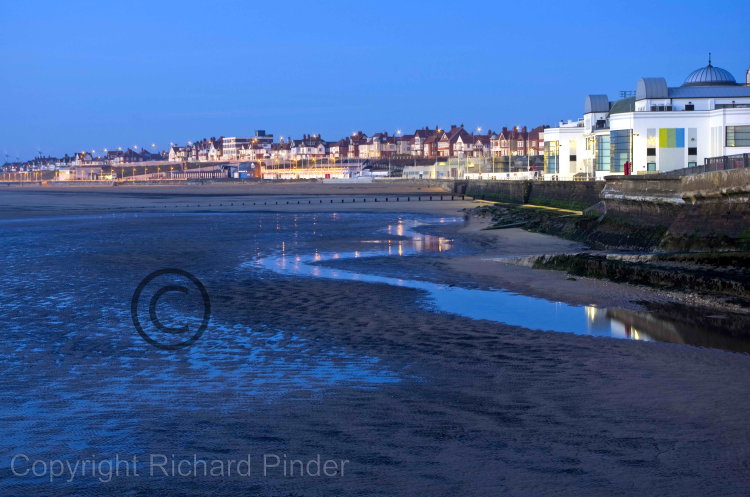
(482, 145)
(178, 154)
(340, 149)
(255, 151)
(440, 169)
(262, 137)
(510, 142)
(418, 141)
(378, 146)
(79, 173)
(231, 146)
(308, 148)
(281, 152)
(430, 145)
(403, 145)
(456, 143)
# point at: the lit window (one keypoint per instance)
(738, 136)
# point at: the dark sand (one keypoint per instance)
(490, 409)
(34, 200)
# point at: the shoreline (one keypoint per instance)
(484, 269)
(233, 188)
(16, 203)
(551, 283)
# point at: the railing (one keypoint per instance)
(711, 164)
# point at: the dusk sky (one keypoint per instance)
(89, 75)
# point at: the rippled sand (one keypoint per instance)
(420, 402)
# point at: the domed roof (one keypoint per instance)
(710, 76)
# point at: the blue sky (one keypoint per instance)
(89, 75)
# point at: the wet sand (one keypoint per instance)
(41, 201)
(505, 410)
(486, 269)
(483, 408)
(230, 188)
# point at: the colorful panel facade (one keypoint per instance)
(672, 138)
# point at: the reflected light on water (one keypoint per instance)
(494, 304)
(504, 306)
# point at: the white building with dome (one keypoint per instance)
(660, 129)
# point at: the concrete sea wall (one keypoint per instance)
(700, 212)
(576, 195)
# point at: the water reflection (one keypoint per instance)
(495, 304)
(498, 304)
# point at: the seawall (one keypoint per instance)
(706, 211)
(576, 195)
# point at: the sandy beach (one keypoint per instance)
(447, 405)
(35, 200)
(485, 269)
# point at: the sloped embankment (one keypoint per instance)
(668, 271)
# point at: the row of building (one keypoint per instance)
(87, 159)
(425, 143)
(656, 128)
